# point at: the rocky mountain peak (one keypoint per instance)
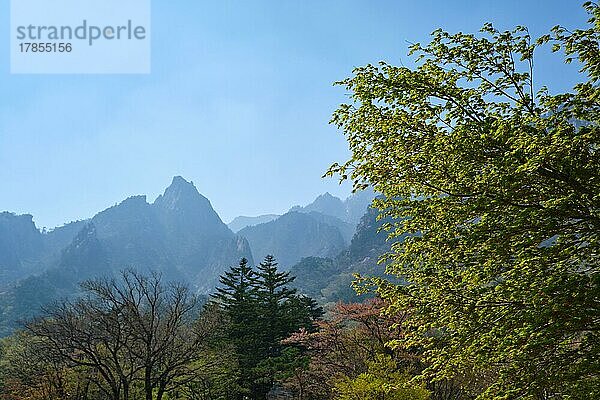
(181, 194)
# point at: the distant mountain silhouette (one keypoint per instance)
(293, 236)
(21, 246)
(325, 204)
(350, 210)
(241, 222)
(314, 230)
(24, 250)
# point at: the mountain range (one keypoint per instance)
(179, 235)
(350, 210)
(323, 228)
(239, 223)
(329, 279)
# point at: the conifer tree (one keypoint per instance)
(282, 312)
(238, 288)
(238, 298)
(263, 310)
(274, 297)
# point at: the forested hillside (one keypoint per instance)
(330, 279)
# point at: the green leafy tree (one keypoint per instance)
(29, 371)
(382, 381)
(216, 366)
(497, 183)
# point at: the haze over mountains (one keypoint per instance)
(350, 210)
(24, 250)
(179, 234)
(239, 223)
(295, 235)
(323, 228)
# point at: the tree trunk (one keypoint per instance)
(161, 392)
(125, 391)
(148, 383)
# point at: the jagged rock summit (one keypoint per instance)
(350, 210)
(179, 235)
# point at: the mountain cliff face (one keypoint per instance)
(21, 246)
(346, 229)
(330, 279)
(180, 235)
(59, 238)
(357, 204)
(24, 250)
(293, 236)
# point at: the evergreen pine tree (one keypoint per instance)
(282, 312)
(237, 289)
(274, 296)
(302, 312)
(263, 311)
(238, 298)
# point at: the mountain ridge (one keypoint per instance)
(179, 235)
(243, 221)
(349, 210)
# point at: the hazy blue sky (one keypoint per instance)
(238, 101)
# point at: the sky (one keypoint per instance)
(238, 101)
